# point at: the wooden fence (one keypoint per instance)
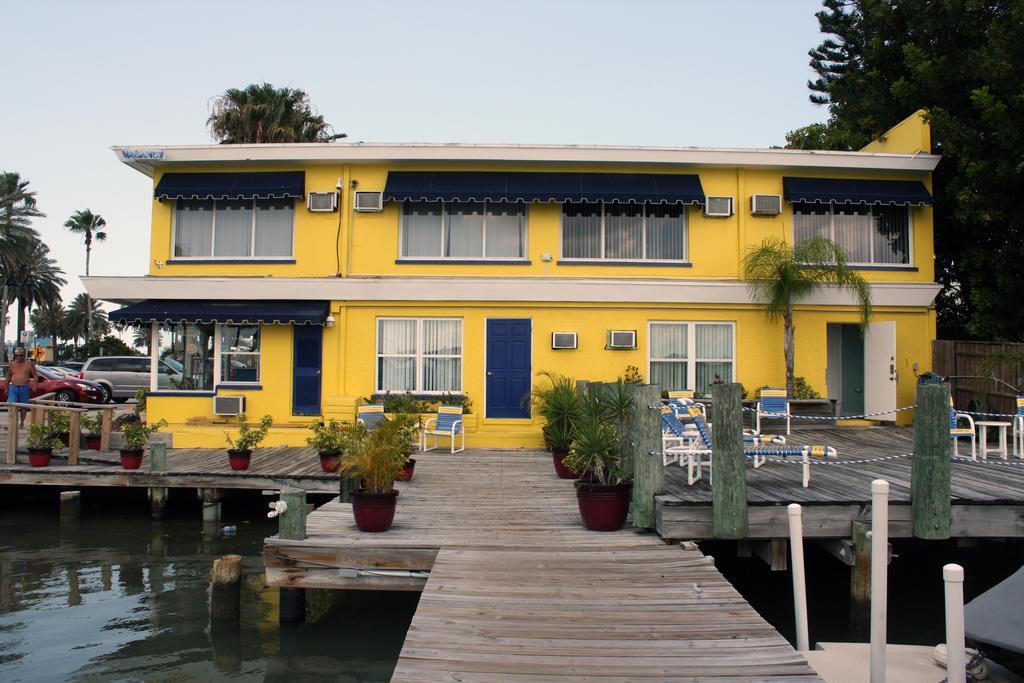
(972, 387)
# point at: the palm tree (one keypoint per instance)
(143, 339)
(49, 320)
(35, 279)
(780, 275)
(263, 113)
(79, 322)
(90, 226)
(17, 209)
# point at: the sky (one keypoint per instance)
(84, 76)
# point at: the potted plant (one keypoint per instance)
(376, 459)
(41, 442)
(92, 425)
(249, 437)
(604, 496)
(140, 403)
(559, 405)
(60, 425)
(409, 425)
(136, 438)
(332, 440)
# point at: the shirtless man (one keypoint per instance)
(21, 377)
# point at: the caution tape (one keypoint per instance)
(833, 418)
(994, 461)
(862, 461)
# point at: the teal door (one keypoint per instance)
(852, 355)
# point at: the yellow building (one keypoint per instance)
(306, 277)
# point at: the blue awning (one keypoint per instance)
(180, 311)
(231, 185)
(829, 190)
(657, 188)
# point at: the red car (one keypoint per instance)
(58, 387)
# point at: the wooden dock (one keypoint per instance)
(987, 497)
(519, 590)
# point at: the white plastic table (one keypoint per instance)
(983, 447)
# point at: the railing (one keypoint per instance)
(37, 410)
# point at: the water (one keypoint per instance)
(116, 596)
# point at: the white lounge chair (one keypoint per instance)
(957, 432)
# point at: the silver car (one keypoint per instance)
(122, 376)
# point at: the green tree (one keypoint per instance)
(265, 114)
(35, 279)
(142, 339)
(960, 61)
(90, 226)
(49, 320)
(79, 322)
(17, 209)
(780, 275)
(107, 345)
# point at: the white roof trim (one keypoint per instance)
(145, 158)
(123, 290)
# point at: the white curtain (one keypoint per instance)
(852, 228)
(668, 341)
(233, 228)
(464, 234)
(891, 225)
(274, 220)
(671, 376)
(396, 349)
(666, 232)
(623, 231)
(506, 224)
(811, 220)
(442, 350)
(193, 227)
(421, 230)
(714, 341)
(581, 230)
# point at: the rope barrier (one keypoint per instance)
(838, 417)
(791, 461)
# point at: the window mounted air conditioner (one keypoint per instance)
(228, 405)
(718, 207)
(766, 204)
(369, 201)
(564, 340)
(621, 339)
(322, 202)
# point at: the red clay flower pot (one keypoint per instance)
(39, 457)
(329, 461)
(239, 460)
(131, 460)
(603, 508)
(407, 469)
(563, 472)
(92, 443)
(373, 512)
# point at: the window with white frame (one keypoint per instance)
(233, 228)
(624, 232)
(870, 235)
(191, 354)
(691, 355)
(422, 355)
(239, 353)
(463, 230)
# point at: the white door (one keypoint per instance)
(880, 370)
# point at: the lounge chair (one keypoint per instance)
(371, 415)
(447, 423)
(957, 432)
(676, 437)
(1018, 429)
(774, 404)
(679, 401)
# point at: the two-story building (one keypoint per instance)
(306, 277)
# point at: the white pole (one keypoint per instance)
(796, 545)
(879, 571)
(953, 575)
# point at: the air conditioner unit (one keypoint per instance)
(766, 204)
(228, 405)
(369, 201)
(718, 207)
(563, 340)
(621, 339)
(322, 201)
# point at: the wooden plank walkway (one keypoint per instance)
(988, 497)
(519, 590)
(271, 468)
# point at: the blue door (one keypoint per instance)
(508, 367)
(306, 367)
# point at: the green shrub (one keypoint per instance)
(249, 437)
(632, 375)
(136, 434)
(42, 435)
(335, 437)
(60, 422)
(802, 390)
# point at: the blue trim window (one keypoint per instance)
(463, 231)
(876, 235)
(233, 228)
(617, 232)
(240, 353)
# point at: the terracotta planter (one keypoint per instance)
(131, 460)
(239, 460)
(39, 457)
(603, 508)
(407, 469)
(329, 461)
(373, 512)
(558, 457)
(92, 443)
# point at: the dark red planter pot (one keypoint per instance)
(239, 460)
(39, 457)
(603, 508)
(373, 512)
(558, 457)
(407, 470)
(131, 460)
(329, 461)
(92, 443)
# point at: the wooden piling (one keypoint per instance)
(157, 494)
(292, 522)
(729, 487)
(860, 579)
(70, 505)
(642, 439)
(12, 435)
(930, 470)
(105, 428)
(74, 436)
(211, 504)
(225, 588)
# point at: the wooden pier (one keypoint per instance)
(519, 590)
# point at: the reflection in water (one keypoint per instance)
(115, 598)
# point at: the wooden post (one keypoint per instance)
(74, 588)
(157, 494)
(643, 439)
(108, 419)
(860, 579)
(12, 435)
(211, 504)
(729, 488)
(930, 470)
(345, 489)
(292, 522)
(70, 505)
(158, 457)
(225, 593)
(74, 436)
